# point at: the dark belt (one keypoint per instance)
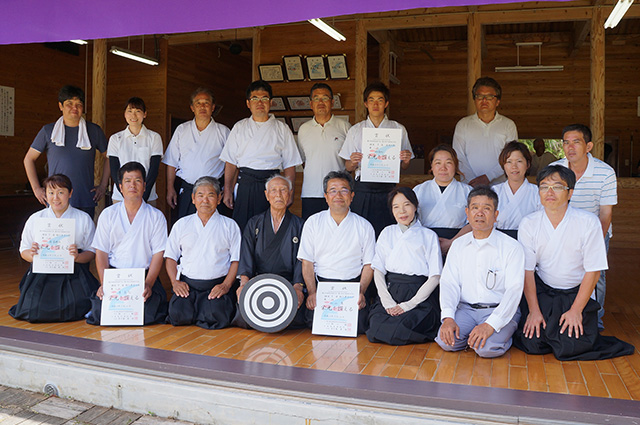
(371, 187)
(261, 176)
(202, 284)
(324, 279)
(480, 306)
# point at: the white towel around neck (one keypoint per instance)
(57, 135)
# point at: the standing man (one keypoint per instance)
(338, 245)
(257, 148)
(194, 151)
(70, 145)
(564, 254)
(371, 198)
(595, 191)
(481, 284)
(479, 138)
(320, 141)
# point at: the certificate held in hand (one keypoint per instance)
(336, 312)
(54, 236)
(381, 155)
(122, 302)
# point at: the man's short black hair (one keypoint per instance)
(586, 131)
(130, 167)
(342, 175)
(317, 86)
(565, 174)
(483, 191)
(136, 102)
(69, 92)
(377, 86)
(259, 85)
(487, 82)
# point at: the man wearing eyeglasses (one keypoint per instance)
(337, 245)
(481, 283)
(479, 138)
(257, 148)
(595, 191)
(564, 254)
(320, 141)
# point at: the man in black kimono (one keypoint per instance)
(270, 245)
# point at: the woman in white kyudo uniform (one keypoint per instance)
(407, 268)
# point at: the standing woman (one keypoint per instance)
(136, 143)
(407, 268)
(443, 199)
(517, 197)
(57, 297)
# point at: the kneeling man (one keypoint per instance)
(338, 245)
(132, 234)
(565, 252)
(207, 244)
(481, 283)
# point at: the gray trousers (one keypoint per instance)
(468, 318)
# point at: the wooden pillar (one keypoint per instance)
(474, 57)
(99, 104)
(597, 82)
(255, 53)
(361, 69)
(383, 59)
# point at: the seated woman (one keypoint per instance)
(517, 197)
(443, 199)
(57, 297)
(407, 268)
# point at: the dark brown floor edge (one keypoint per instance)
(461, 398)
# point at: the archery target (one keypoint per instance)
(268, 303)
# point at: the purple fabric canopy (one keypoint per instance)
(31, 21)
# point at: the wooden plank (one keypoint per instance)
(474, 57)
(597, 82)
(210, 36)
(361, 69)
(255, 53)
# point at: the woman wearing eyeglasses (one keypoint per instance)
(518, 198)
(407, 268)
(443, 199)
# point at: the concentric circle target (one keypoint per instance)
(268, 303)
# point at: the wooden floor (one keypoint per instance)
(617, 378)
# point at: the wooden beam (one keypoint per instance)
(420, 21)
(579, 35)
(210, 36)
(474, 57)
(597, 82)
(361, 69)
(383, 60)
(255, 53)
(99, 104)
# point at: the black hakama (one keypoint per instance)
(311, 206)
(197, 309)
(510, 232)
(185, 204)
(55, 297)
(415, 326)
(553, 304)
(445, 232)
(371, 202)
(250, 199)
(155, 307)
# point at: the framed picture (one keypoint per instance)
(277, 104)
(338, 67)
(293, 67)
(337, 104)
(296, 122)
(283, 120)
(315, 67)
(271, 72)
(299, 103)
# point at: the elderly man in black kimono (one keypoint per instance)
(270, 244)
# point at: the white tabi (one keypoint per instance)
(261, 146)
(195, 153)
(562, 256)
(130, 245)
(127, 147)
(204, 252)
(84, 228)
(337, 252)
(513, 207)
(442, 209)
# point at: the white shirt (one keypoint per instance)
(130, 245)
(562, 256)
(413, 252)
(446, 209)
(84, 228)
(319, 147)
(195, 153)
(596, 187)
(337, 252)
(261, 146)
(205, 252)
(479, 144)
(469, 272)
(512, 207)
(353, 141)
(127, 147)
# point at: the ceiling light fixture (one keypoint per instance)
(125, 53)
(531, 68)
(617, 13)
(328, 29)
(80, 42)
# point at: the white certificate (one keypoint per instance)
(381, 155)
(336, 311)
(53, 236)
(122, 303)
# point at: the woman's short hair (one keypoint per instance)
(452, 152)
(512, 147)
(407, 192)
(137, 103)
(57, 180)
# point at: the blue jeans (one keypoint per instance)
(601, 288)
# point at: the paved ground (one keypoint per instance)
(29, 408)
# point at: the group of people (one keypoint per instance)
(481, 261)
